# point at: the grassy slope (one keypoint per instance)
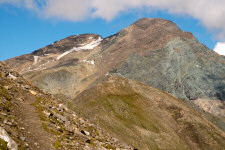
(147, 118)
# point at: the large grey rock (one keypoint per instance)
(184, 68)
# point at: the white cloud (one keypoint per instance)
(209, 12)
(72, 10)
(29, 4)
(10, 1)
(220, 48)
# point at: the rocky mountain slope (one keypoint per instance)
(131, 112)
(145, 117)
(31, 119)
(152, 51)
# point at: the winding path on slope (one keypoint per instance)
(35, 134)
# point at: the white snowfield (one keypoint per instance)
(10, 143)
(91, 45)
(90, 62)
(35, 59)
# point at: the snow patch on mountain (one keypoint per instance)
(90, 62)
(36, 59)
(91, 45)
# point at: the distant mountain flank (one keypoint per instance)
(152, 50)
(145, 117)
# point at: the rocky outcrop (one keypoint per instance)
(184, 68)
(216, 107)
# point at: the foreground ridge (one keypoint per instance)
(31, 119)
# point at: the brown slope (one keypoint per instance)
(18, 116)
(145, 117)
(34, 120)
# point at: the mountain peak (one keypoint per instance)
(67, 44)
(146, 23)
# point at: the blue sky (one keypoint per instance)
(22, 30)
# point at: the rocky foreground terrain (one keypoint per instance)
(31, 119)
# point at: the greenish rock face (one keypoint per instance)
(184, 68)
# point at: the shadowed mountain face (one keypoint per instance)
(152, 51)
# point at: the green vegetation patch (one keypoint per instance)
(22, 147)
(127, 111)
(57, 145)
(4, 93)
(176, 112)
(127, 108)
(3, 145)
(38, 101)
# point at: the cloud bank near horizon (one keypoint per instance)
(220, 48)
(209, 13)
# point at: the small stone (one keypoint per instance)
(87, 148)
(20, 99)
(46, 113)
(6, 87)
(85, 132)
(62, 107)
(82, 121)
(91, 125)
(71, 138)
(23, 138)
(88, 141)
(69, 127)
(115, 140)
(59, 129)
(26, 144)
(26, 87)
(33, 92)
(10, 76)
(60, 118)
(9, 123)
